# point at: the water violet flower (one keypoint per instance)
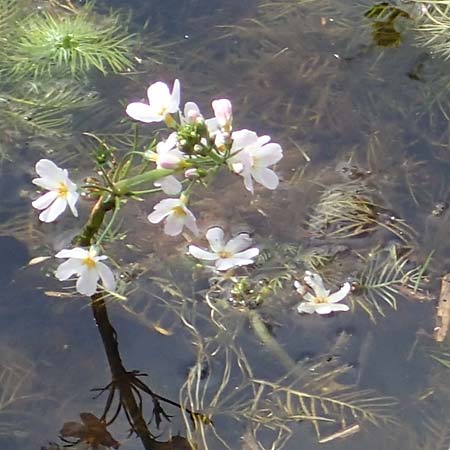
(251, 158)
(321, 301)
(87, 266)
(234, 253)
(176, 215)
(62, 191)
(161, 103)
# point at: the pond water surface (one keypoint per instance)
(360, 109)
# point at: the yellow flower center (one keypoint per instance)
(63, 190)
(224, 254)
(89, 262)
(319, 300)
(179, 211)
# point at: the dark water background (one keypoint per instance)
(314, 78)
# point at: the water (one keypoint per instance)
(352, 116)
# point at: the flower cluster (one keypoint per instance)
(199, 144)
(194, 149)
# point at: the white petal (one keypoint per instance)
(248, 182)
(238, 243)
(68, 268)
(77, 252)
(143, 113)
(307, 308)
(228, 263)
(107, 276)
(190, 222)
(324, 308)
(315, 282)
(87, 282)
(268, 155)
(299, 288)
(267, 177)
(71, 201)
(248, 254)
(215, 239)
(199, 253)
(45, 200)
(243, 138)
(174, 98)
(48, 169)
(339, 307)
(53, 211)
(163, 209)
(50, 184)
(159, 96)
(173, 225)
(340, 294)
(170, 185)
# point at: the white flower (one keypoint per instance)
(176, 216)
(62, 191)
(167, 156)
(321, 302)
(161, 103)
(87, 265)
(251, 157)
(234, 253)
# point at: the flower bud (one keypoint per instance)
(191, 173)
(223, 112)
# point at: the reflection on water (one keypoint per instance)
(359, 102)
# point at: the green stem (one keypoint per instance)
(125, 186)
(260, 329)
(111, 221)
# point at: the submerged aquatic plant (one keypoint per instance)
(388, 275)
(53, 44)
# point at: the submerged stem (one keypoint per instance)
(260, 329)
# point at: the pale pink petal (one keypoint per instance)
(87, 281)
(191, 112)
(45, 200)
(215, 239)
(340, 294)
(238, 243)
(143, 113)
(306, 308)
(68, 268)
(53, 211)
(267, 177)
(107, 276)
(199, 253)
(223, 111)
